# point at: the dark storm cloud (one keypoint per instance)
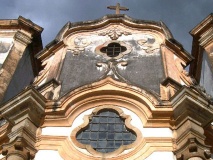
(180, 16)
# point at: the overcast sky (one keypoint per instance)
(180, 16)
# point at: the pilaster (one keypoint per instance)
(24, 113)
(21, 41)
(24, 33)
(192, 113)
(18, 149)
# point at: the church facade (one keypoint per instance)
(114, 88)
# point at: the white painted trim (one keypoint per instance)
(47, 154)
(161, 156)
(1, 156)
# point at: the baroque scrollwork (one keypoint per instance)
(43, 73)
(111, 69)
(78, 44)
(149, 44)
(184, 75)
(114, 33)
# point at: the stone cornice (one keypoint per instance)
(20, 23)
(179, 50)
(28, 100)
(202, 37)
(28, 24)
(71, 28)
(107, 91)
(207, 38)
(124, 19)
(25, 32)
(24, 113)
(203, 26)
(191, 102)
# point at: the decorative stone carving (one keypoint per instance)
(114, 33)
(149, 44)
(111, 69)
(77, 45)
(192, 149)
(184, 75)
(19, 149)
(22, 38)
(39, 80)
(24, 113)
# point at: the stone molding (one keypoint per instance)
(66, 149)
(192, 113)
(128, 50)
(27, 102)
(107, 92)
(202, 39)
(122, 147)
(103, 23)
(25, 33)
(24, 113)
(98, 93)
(22, 38)
(193, 148)
(20, 148)
(204, 31)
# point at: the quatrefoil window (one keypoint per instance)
(113, 49)
(106, 132)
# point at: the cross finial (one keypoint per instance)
(117, 8)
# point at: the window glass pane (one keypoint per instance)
(106, 132)
(113, 49)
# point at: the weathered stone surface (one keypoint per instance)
(22, 76)
(76, 67)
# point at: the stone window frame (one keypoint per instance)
(127, 120)
(113, 49)
(128, 50)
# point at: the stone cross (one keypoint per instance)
(117, 8)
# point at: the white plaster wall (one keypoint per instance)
(66, 131)
(3, 56)
(195, 158)
(47, 154)
(147, 132)
(161, 156)
(54, 155)
(1, 156)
